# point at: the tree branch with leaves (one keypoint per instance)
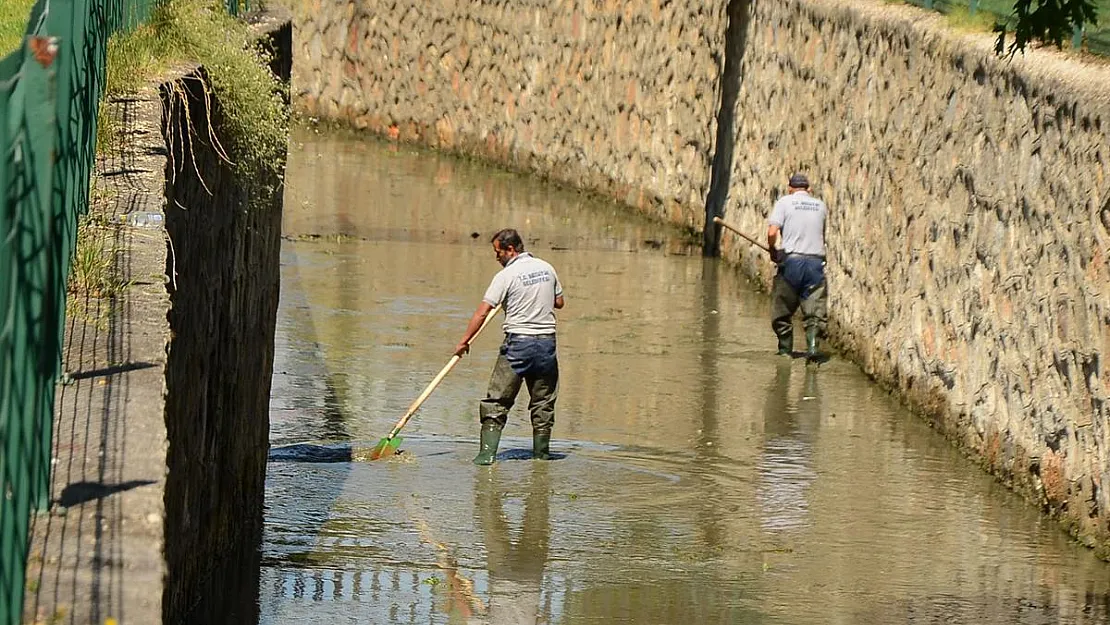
(1050, 21)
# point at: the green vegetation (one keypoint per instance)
(13, 21)
(962, 19)
(93, 273)
(201, 31)
(1022, 23)
(1050, 21)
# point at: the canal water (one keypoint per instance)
(699, 478)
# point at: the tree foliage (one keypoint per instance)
(1050, 21)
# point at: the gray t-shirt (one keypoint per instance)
(527, 287)
(801, 217)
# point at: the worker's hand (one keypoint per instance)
(776, 255)
(462, 349)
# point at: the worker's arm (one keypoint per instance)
(472, 328)
(773, 232)
(559, 302)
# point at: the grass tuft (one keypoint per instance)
(960, 18)
(133, 59)
(251, 97)
(93, 272)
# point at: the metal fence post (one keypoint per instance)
(13, 477)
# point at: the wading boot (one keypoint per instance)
(786, 345)
(541, 444)
(812, 354)
(490, 437)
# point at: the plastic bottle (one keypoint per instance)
(143, 219)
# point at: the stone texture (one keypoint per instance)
(968, 263)
(619, 97)
(969, 194)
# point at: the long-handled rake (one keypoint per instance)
(724, 223)
(388, 445)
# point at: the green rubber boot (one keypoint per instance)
(490, 437)
(786, 344)
(541, 444)
(811, 345)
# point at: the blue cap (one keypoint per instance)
(799, 181)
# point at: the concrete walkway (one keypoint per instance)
(96, 556)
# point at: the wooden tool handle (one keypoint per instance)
(439, 377)
(718, 220)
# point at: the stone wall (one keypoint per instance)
(611, 95)
(969, 229)
(223, 272)
(969, 195)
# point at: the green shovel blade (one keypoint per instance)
(385, 448)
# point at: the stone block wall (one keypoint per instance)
(969, 195)
(223, 270)
(617, 96)
(969, 230)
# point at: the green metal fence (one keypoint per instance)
(1095, 38)
(50, 90)
(28, 337)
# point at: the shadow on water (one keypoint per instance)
(311, 452)
(525, 453)
(706, 454)
(303, 364)
(303, 360)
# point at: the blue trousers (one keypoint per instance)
(800, 282)
(523, 360)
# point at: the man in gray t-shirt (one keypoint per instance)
(529, 291)
(800, 220)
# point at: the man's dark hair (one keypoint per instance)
(508, 237)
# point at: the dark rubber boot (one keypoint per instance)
(490, 438)
(541, 444)
(811, 344)
(786, 345)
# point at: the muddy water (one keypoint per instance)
(700, 478)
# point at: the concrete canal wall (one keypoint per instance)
(970, 195)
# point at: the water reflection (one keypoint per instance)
(790, 421)
(515, 560)
(309, 397)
